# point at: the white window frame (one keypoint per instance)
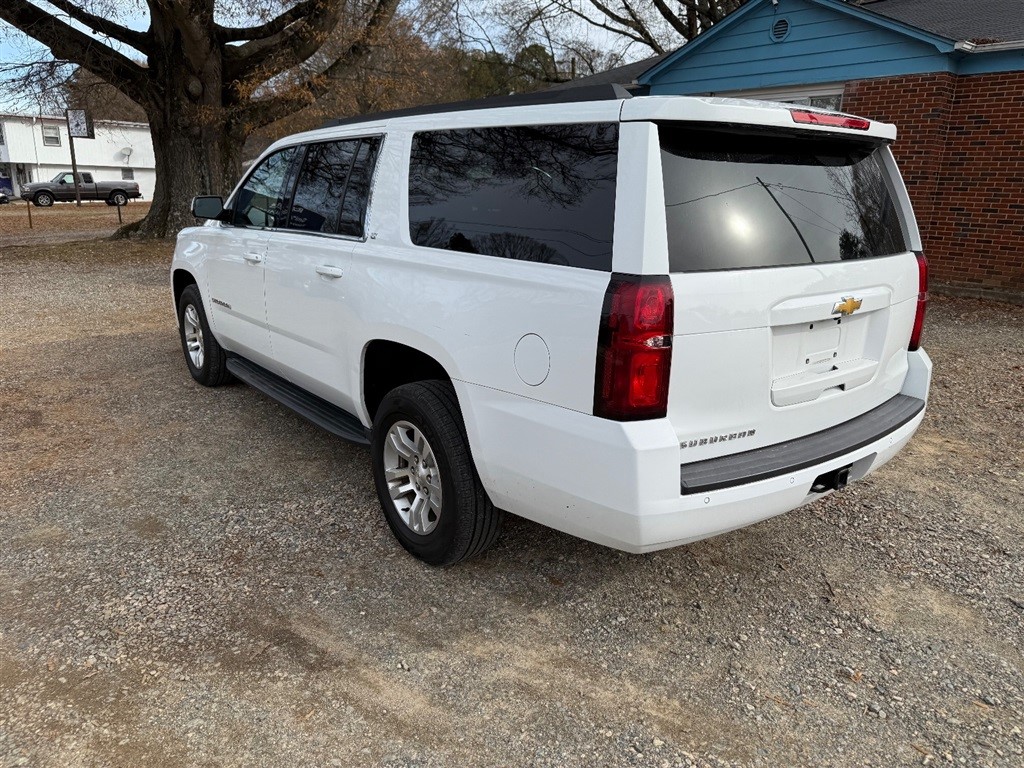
(127, 174)
(55, 134)
(790, 93)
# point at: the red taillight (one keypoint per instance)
(634, 349)
(838, 121)
(922, 302)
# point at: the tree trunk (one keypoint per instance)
(196, 144)
(189, 161)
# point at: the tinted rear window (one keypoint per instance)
(333, 187)
(534, 193)
(735, 200)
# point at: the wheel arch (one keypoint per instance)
(387, 364)
(180, 280)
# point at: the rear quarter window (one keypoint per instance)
(541, 193)
(738, 200)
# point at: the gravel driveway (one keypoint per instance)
(199, 577)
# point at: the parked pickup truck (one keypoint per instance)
(61, 188)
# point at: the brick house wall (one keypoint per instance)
(961, 151)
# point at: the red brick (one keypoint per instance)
(960, 149)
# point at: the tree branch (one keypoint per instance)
(66, 42)
(293, 45)
(678, 24)
(623, 32)
(273, 27)
(137, 40)
(260, 112)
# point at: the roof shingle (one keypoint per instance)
(987, 20)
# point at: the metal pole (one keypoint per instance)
(28, 203)
(74, 163)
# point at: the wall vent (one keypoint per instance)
(780, 30)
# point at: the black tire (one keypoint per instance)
(43, 199)
(468, 524)
(119, 198)
(213, 370)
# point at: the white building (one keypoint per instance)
(36, 149)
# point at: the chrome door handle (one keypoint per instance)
(253, 258)
(328, 271)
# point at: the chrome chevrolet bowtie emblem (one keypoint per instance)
(847, 306)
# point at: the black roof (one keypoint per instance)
(605, 92)
(985, 20)
(624, 75)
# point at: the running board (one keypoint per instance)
(322, 413)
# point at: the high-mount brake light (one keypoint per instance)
(835, 121)
(634, 348)
(922, 302)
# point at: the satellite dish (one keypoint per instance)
(127, 151)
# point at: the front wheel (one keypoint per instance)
(203, 354)
(44, 200)
(428, 487)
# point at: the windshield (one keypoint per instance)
(742, 200)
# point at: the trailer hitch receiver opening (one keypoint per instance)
(835, 480)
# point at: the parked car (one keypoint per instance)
(61, 188)
(642, 321)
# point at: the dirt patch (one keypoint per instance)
(63, 222)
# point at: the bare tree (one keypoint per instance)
(205, 85)
(659, 25)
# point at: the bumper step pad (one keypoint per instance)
(778, 459)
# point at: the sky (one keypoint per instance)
(16, 47)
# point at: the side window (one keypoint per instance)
(333, 187)
(263, 200)
(87, 178)
(533, 193)
(357, 196)
(68, 179)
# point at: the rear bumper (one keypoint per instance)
(618, 484)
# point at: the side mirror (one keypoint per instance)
(208, 207)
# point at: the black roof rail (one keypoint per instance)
(605, 92)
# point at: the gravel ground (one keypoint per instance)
(63, 222)
(199, 577)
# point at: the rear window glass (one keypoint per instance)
(532, 193)
(333, 187)
(736, 201)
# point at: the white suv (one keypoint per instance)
(642, 321)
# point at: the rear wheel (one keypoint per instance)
(119, 198)
(203, 354)
(43, 199)
(428, 487)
